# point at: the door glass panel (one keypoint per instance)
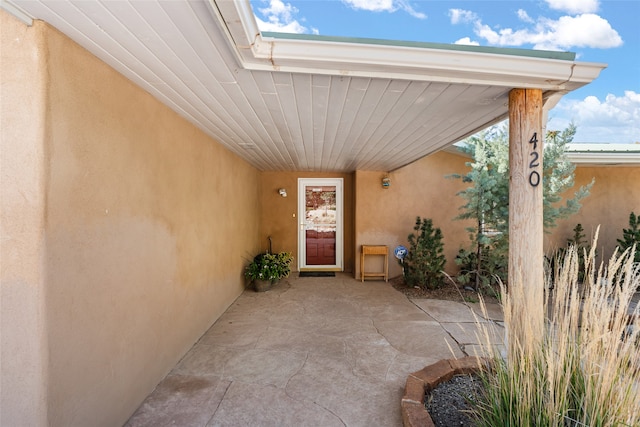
(320, 221)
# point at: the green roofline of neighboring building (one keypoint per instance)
(547, 54)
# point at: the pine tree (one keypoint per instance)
(487, 199)
(583, 249)
(425, 260)
(631, 236)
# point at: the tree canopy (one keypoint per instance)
(486, 200)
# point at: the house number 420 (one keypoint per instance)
(534, 176)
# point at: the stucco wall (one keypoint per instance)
(277, 218)
(145, 235)
(387, 216)
(614, 195)
(23, 343)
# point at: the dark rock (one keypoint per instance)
(448, 403)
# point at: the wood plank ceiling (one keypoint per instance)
(179, 52)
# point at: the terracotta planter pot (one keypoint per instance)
(261, 285)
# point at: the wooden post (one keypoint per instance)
(526, 265)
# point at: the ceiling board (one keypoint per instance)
(201, 58)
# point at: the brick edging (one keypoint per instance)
(414, 413)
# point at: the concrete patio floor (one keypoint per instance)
(311, 352)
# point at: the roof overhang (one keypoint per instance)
(301, 102)
(473, 65)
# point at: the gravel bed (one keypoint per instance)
(447, 403)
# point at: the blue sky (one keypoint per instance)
(605, 111)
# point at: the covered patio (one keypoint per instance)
(144, 147)
(326, 351)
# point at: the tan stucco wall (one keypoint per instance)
(277, 212)
(23, 342)
(387, 216)
(614, 195)
(144, 243)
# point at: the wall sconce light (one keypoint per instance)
(386, 182)
(282, 192)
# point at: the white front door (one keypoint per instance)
(320, 234)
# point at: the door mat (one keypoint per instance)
(317, 274)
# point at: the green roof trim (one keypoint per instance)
(547, 54)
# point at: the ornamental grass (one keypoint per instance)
(583, 368)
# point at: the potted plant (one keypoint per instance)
(284, 259)
(266, 269)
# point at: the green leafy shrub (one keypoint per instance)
(424, 264)
(631, 236)
(284, 260)
(269, 267)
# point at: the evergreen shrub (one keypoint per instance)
(424, 264)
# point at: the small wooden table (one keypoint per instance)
(375, 250)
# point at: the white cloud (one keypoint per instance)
(616, 119)
(279, 10)
(410, 10)
(574, 6)
(280, 27)
(280, 17)
(587, 30)
(467, 41)
(524, 16)
(385, 6)
(567, 32)
(462, 16)
(372, 5)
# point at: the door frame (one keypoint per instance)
(302, 247)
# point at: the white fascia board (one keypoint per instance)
(602, 154)
(623, 158)
(422, 64)
(17, 12)
(604, 147)
(242, 31)
(588, 154)
(256, 52)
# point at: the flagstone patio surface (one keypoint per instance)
(312, 351)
